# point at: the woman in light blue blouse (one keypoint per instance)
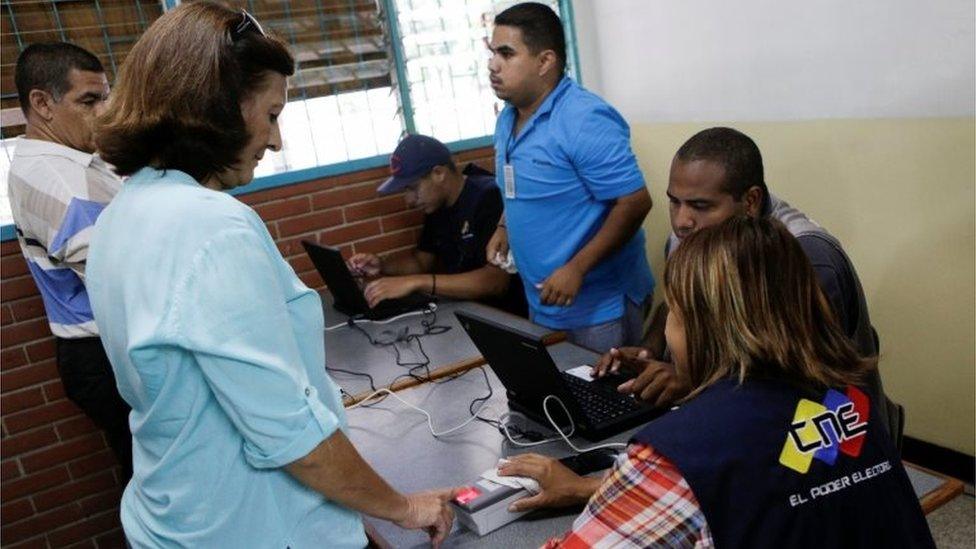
(238, 432)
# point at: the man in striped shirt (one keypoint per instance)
(58, 187)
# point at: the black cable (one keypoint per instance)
(430, 328)
(485, 398)
(429, 322)
(372, 386)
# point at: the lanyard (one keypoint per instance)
(508, 174)
(510, 144)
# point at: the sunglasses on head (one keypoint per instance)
(248, 23)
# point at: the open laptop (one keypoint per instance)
(349, 298)
(526, 369)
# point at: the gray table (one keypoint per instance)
(348, 349)
(396, 442)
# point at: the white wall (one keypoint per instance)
(864, 111)
(588, 44)
(699, 60)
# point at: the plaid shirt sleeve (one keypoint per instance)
(644, 502)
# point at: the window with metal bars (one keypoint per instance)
(347, 108)
(445, 58)
(107, 28)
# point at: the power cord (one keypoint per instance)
(405, 336)
(505, 428)
(417, 370)
(353, 320)
(432, 328)
(372, 383)
(430, 423)
(564, 436)
(500, 423)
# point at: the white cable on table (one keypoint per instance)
(545, 409)
(431, 308)
(502, 420)
(562, 436)
(430, 423)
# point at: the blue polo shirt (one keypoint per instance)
(571, 160)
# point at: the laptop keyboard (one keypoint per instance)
(599, 404)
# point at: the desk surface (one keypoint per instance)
(396, 442)
(348, 349)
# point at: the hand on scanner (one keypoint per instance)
(558, 486)
(530, 485)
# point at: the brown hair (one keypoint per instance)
(45, 66)
(751, 306)
(176, 103)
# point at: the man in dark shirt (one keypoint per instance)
(462, 209)
(717, 174)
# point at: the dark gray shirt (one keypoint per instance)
(838, 281)
(835, 273)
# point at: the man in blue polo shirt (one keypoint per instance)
(574, 195)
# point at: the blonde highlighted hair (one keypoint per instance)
(752, 307)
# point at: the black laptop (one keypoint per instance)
(526, 369)
(349, 298)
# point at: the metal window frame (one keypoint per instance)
(292, 177)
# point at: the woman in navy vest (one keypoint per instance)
(776, 446)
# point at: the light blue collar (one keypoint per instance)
(148, 174)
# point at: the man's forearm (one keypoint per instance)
(406, 265)
(336, 470)
(624, 219)
(488, 281)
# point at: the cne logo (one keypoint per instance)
(823, 431)
(395, 164)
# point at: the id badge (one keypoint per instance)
(509, 181)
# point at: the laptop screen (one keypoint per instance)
(521, 362)
(332, 267)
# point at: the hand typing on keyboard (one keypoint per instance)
(656, 383)
(599, 402)
(587, 372)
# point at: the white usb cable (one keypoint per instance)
(431, 308)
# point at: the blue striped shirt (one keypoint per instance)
(56, 194)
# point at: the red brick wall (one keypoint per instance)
(59, 483)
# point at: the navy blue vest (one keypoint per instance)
(772, 466)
